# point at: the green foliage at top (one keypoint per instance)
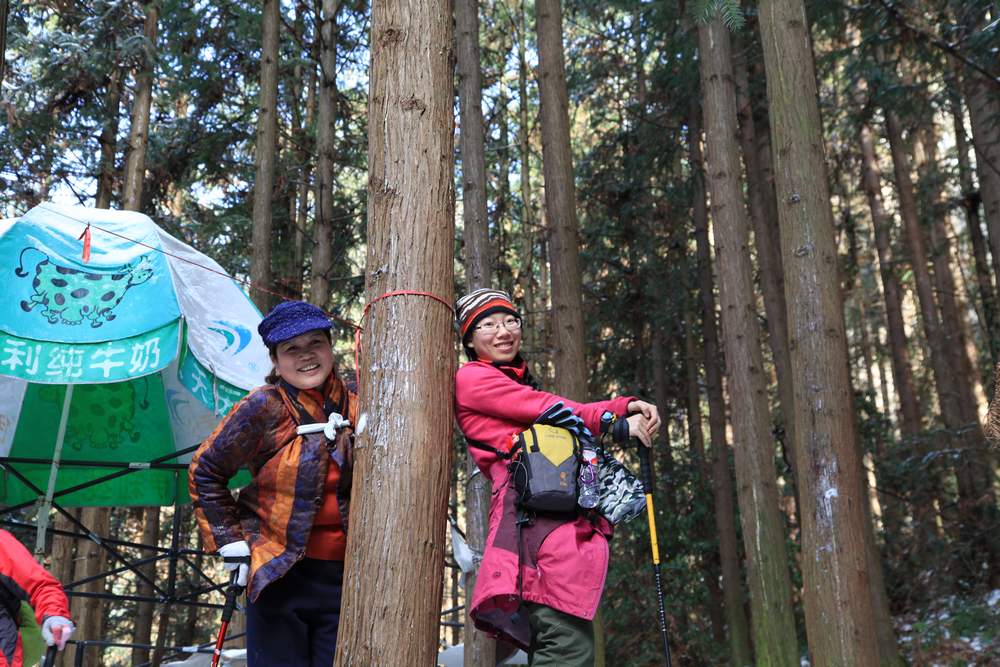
(730, 11)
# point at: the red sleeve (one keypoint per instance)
(489, 391)
(31, 581)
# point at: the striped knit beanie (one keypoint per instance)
(481, 303)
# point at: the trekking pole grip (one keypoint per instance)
(645, 468)
(232, 594)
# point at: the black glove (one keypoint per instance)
(559, 415)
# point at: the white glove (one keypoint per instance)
(56, 631)
(238, 549)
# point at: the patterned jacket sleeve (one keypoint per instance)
(230, 447)
(29, 580)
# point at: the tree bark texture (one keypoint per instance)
(725, 513)
(840, 619)
(560, 205)
(768, 245)
(480, 649)
(267, 148)
(395, 550)
(322, 258)
(135, 163)
(756, 481)
(109, 140)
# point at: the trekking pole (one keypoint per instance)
(50, 656)
(232, 593)
(647, 484)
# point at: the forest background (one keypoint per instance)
(627, 171)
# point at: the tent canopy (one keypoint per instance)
(157, 341)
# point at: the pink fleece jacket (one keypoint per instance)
(564, 562)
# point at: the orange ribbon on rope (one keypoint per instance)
(85, 236)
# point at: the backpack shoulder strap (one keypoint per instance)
(476, 444)
(9, 601)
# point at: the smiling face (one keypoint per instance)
(502, 343)
(304, 361)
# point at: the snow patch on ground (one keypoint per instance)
(951, 632)
(994, 597)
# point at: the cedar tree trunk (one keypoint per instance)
(840, 618)
(756, 481)
(395, 548)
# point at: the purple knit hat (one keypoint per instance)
(290, 319)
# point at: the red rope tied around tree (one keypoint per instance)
(358, 328)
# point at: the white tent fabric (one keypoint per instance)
(200, 281)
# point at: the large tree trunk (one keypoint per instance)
(322, 258)
(768, 245)
(480, 649)
(403, 459)
(725, 513)
(560, 205)
(756, 480)
(135, 164)
(839, 609)
(267, 145)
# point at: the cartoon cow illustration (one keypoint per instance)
(102, 416)
(70, 295)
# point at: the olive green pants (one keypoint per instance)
(558, 639)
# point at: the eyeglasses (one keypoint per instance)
(491, 327)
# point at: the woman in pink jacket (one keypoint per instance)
(562, 561)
